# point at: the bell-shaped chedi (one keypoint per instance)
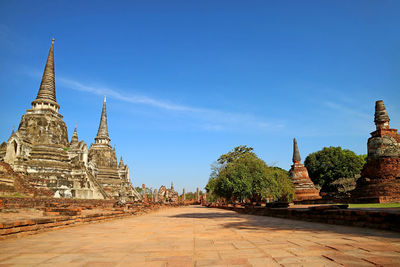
(102, 160)
(74, 138)
(46, 97)
(41, 137)
(102, 134)
(305, 188)
(380, 177)
(40, 149)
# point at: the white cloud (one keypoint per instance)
(131, 98)
(208, 119)
(346, 110)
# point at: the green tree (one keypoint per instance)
(210, 188)
(192, 195)
(332, 163)
(139, 189)
(237, 152)
(241, 175)
(286, 190)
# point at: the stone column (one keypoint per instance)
(184, 195)
(155, 195)
(197, 195)
(144, 193)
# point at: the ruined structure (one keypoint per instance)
(144, 195)
(197, 197)
(305, 188)
(155, 196)
(380, 177)
(168, 195)
(12, 183)
(40, 149)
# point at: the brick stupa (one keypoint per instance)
(380, 177)
(305, 188)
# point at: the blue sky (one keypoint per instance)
(187, 81)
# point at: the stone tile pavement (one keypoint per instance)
(198, 236)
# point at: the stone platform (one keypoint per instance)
(27, 216)
(198, 236)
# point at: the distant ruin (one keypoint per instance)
(168, 195)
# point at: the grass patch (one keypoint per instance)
(15, 194)
(375, 205)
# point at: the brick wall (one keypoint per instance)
(18, 203)
(331, 215)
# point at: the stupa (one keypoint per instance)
(40, 149)
(305, 188)
(380, 177)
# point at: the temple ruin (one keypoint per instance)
(168, 195)
(305, 188)
(380, 177)
(40, 149)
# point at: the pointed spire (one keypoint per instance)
(47, 90)
(296, 154)
(102, 133)
(74, 138)
(13, 129)
(121, 162)
(381, 116)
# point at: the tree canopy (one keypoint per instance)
(332, 163)
(241, 175)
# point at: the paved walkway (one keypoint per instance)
(197, 236)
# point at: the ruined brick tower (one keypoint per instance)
(305, 188)
(380, 177)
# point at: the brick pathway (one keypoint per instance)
(197, 236)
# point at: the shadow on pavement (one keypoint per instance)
(207, 215)
(265, 223)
